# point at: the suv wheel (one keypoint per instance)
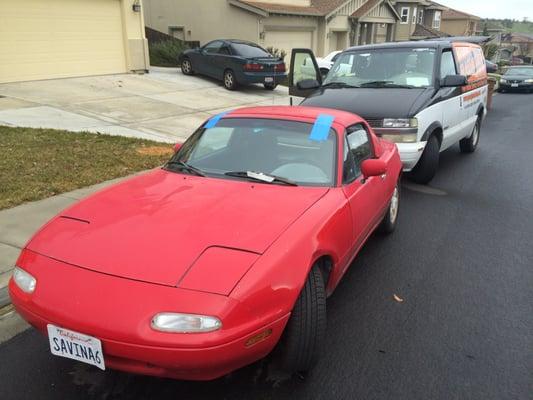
(305, 332)
(428, 164)
(230, 82)
(469, 145)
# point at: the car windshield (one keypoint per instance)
(395, 67)
(266, 150)
(250, 50)
(520, 71)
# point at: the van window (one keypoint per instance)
(447, 64)
(481, 67)
(384, 67)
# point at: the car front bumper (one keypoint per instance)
(521, 86)
(118, 312)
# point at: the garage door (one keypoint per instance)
(60, 38)
(289, 40)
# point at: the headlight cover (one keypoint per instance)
(503, 80)
(400, 123)
(529, 81)
(185, 323)
(24, 280)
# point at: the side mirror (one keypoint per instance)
(373, 167)
(177, 147)
(454, 81)
(308, 84)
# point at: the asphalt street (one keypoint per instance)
(461, 260)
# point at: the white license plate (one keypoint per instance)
(514, 84)
(76, 346)
(269, 80)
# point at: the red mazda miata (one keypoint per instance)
(230, 250)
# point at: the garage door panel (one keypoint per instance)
(60, 38)
(288, 40)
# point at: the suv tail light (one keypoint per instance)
(253, 67)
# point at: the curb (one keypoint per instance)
(4, 297)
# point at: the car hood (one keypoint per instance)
(153, 227)
(516, 77)
(372, 102)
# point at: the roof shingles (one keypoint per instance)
(317, 7)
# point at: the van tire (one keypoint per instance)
(469, 144)
(428, 164)
(304, 335)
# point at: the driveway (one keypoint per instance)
(163, 105)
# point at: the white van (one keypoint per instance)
(425, 96)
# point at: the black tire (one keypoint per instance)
(390, 220)
(428, 164)
(304, 334)
(186, 67)
(270, 86)
(229, 80)
(469, 144)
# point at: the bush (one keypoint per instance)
(166, 53)
(280, 53)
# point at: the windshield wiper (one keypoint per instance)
(385, 84)
(186, 167)
(260, 177)
(339, 84)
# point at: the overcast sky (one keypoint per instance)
(514, 9)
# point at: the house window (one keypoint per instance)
(414, 16)
(405, 15)
(436, 20)
(421, 17)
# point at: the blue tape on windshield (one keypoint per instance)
(214, 121)
(321, 128)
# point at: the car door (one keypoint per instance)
(207, 58)
(221, 60)
(304, 74)
(367, 197)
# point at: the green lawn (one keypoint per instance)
(39, 163)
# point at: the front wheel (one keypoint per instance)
(305, 332)
(230, 82)
(469, 144)
(389, 222)
(428, 164)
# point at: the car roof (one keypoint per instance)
(296, 113)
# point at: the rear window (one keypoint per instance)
(249, 50)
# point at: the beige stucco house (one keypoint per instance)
(64, 38)
(417, 18)
(322, 25)
(459, 23)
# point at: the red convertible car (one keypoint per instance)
(227, 252)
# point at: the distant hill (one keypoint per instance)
(509, 25)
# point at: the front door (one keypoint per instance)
(304, 74)
(366, 197)
(207, 58)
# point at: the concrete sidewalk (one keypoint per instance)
(18, 224)
(164, 105)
